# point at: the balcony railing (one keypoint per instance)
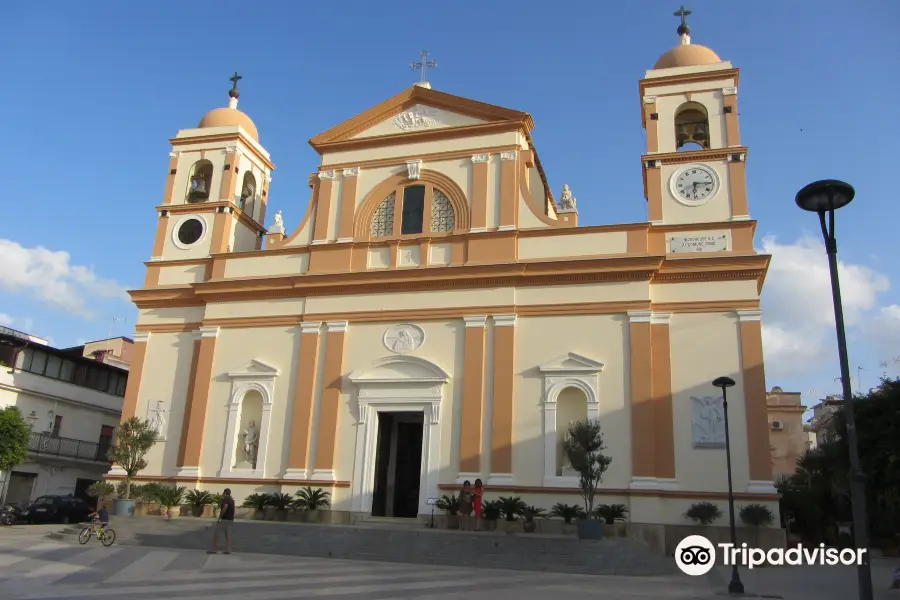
(44, 443)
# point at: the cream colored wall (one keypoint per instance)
(667, 106)
(235, 348)
(704, 291)
(510, 138)
(576, 244)
(717, 208)
(181, 274)
(166, 374)
(444, 344)
(368, 178)
(214, 131)
(542, 339)
(267, 265)
(252, 308)
(200, 249)
(159, 316)
(704, 347)
(596, 292)
(243, 239)
(442, 120)
(527, 218)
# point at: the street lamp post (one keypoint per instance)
(734, 586)
(825, 197)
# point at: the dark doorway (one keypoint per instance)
(81, 486)
(398, 465)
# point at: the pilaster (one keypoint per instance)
(509, 190)
(323, 207)
(304, 397)
(479, 192)
(504, 395)
(754, 380)
(331, 396)
(473, 398)
(348, 204)
(191, 445)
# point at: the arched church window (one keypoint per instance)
(442, 217)
(248, 193)
(413, 209)
(691, 127)
(383, 219)
(200, 182)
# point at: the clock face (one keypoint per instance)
(695, 184)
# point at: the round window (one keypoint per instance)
(190, 231)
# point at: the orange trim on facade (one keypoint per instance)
(737, 187)
(304, 398)
(601, 492)
(643, 422)
(323, 207)
(133, 384)
(227, 191)
(732, 127)
(674, 158)
(479, 191)
(504, 395)
(170, 180)
(235, 481)
(663, 413)
(492, 248)
(162, 230)
(652, 127)
(331, 397)
(331, 258)
(152, 277)
(754, 377)
(470, 443)
(186, 421)
(529, 157)
(509, 189)
(654, 191)
(429, 158)
(221, 234)
(348, 203)
(191, 450)
(225, 139)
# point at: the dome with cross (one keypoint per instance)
(230, 116)
(686, 54)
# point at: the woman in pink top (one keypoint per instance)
(478, 492)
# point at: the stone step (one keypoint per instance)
(381, 542)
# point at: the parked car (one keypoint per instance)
(61, 509)
(12, 513)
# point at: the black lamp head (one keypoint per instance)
(723, 382)
(825, 195)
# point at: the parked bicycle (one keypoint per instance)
(104, 533)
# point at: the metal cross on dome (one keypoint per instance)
(234, 88)
(682, 12)
(423, 65)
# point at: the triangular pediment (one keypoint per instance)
(418, 109)
(573, 363)
(255, 369)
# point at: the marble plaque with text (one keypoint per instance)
(698, 243)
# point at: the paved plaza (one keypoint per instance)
(34, 568)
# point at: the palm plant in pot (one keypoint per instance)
(610, 513)
(450, 505)
(567, 512)
(530, 512)
(134, 438)
(583, 447)
(198, 500)
(258, 503)
(216, 503)
(170, 498)
(511, 507)
(756, 516)
(280, 503)
(311, 501)
(490, 512)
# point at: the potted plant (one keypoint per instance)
(490, 512)
(566, 512)
(279, 503)
(450, 505)
(101, 490)
(148, 498)
(703, 513)
(311, 501)
(511, 507)
(258, 503)
(530, 512)
(756, 516)
(134, 438)
(170, 498)
(216, 503)
(583, 447)
(198, 499)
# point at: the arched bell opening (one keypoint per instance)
(200, 182)
(248, 193)
(691, 127)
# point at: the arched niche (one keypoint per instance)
(251, 398)
(248, 194)
(199, 182)
(397, 384)
(568, 380)
(691, 127)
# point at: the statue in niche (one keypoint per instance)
(251, 443)
(567, 200)
(707, 422)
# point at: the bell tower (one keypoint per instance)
(694, 166)
(216, 189)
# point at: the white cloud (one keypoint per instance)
(798, 329)
(884, 331)
(24, 324)
(50, 277)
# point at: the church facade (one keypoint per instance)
(439, 316)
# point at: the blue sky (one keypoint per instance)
(93, 90)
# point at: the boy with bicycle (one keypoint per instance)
(101, 515)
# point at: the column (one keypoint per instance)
(304, 397)
(348, 204)
(136, 371)
(509, 189)
(479, 192)
(643, 426)
(664, 423)
(331, 398)
(754, 379)
(473, 398)
(323, 207)
(191, 447)
(504, 394)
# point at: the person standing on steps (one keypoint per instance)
(478, 494)
(465, 505)
(223, 525)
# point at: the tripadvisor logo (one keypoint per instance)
(695, 555)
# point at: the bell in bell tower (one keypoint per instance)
(216, 191)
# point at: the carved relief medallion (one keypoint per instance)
(419, 117)
(404, 338)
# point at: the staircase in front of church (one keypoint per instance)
(382, 541)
